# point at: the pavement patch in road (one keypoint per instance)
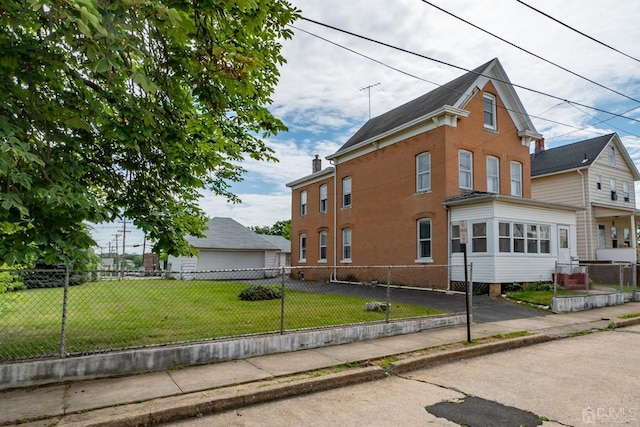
(475, 411)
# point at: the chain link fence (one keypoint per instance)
(56, 313)
(596, 279)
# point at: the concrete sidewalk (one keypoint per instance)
(158, 397)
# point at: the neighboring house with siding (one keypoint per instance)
(598, 175)
(399, 188)
(228, 245)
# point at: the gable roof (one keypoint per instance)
(225, 233)
(578, 155)
(456, 94)
(280, 242)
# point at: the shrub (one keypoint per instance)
(9, 283)
(260, 293)
(49, 276)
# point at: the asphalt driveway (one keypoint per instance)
(484, 308)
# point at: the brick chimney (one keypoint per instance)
(317, 164)
(539, 147)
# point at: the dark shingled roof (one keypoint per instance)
(447, 94)
(568, 157)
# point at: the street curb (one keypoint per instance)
(428, 361)
(627, 322)
(208, 402)
(203, 403)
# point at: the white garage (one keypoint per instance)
(231, 251)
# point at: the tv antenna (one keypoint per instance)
(368, 89)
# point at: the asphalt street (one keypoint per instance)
(585, 380)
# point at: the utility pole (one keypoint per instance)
(368, 89)
(124, 247)
(115, 258)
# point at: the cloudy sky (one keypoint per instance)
(323, 98)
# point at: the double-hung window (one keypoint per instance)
(504, 237)
(322, 239)
(346, 244)
(532, 239)
(346, 192)
(612, 156)
(516, 179)
(465, 163)
(612, 186)
(303, 247)
(303, 203)
(493, 175)
(489, 111)
(323, 198)
(456, 246)
(479, 237)
(423, 172)
(625, 191)
(424, 239)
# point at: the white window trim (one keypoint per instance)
(625, 192)
(470, 171)
(350, 232)
(612, 156)
(420, 173)
(519, 181)
(326, 198)
(302, 249)
(496, 176)
(420, 259)
(320, 246)
(345, 180)
(303, 203)
(494, 124)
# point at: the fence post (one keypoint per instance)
(621, 277)
(63, 329)
(282, 301)
(634, 280)
(386, 311)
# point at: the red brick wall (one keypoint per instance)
(385, 206)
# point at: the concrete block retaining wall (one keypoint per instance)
(585, 302)
(26, 374)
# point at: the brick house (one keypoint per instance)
(396, 191)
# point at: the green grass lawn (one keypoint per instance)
(114, 314)
(539, 297)
(544, 297)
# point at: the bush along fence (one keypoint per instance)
(61, 313)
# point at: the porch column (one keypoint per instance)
(634, 232)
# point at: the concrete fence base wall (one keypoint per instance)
(41, 372)
(585, 302)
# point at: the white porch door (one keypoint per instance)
(602, 237)
(564, 251)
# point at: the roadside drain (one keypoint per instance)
(477, 412)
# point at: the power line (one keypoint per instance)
(577, 31)
(539, 92)
(539, 117)
(530, 53)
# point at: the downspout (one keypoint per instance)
(449, 259)
(588, 232)
(335, 218)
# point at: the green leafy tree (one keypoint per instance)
(128, 108)
(280, 228)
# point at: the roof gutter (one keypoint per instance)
(446, 110)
